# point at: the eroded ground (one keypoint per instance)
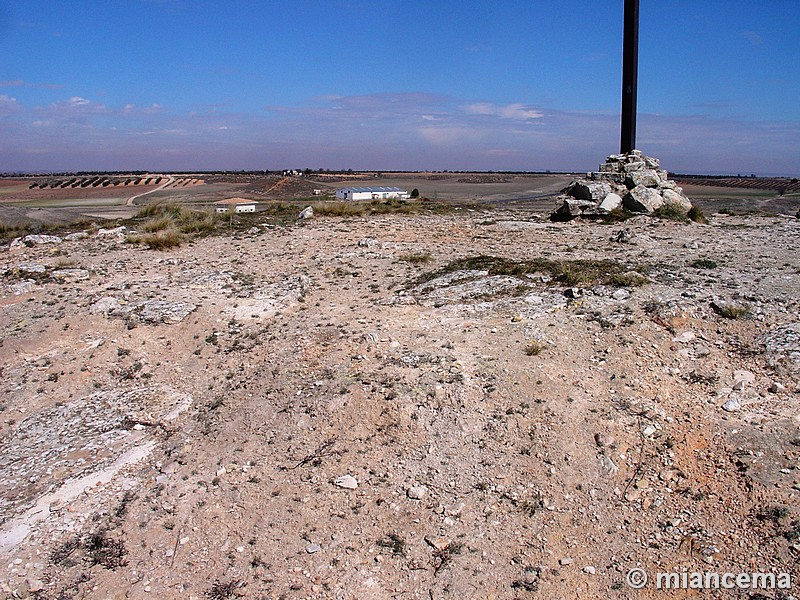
(337, 409)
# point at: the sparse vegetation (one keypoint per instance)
(167, 224)
(696, 214)
(731, 311)
(704, 263)
(617, 215)
(160, 240)
(223, 590)
(568, 272)
(534, 348)
(97, 548)
(792, 534)
(105, 551)
(339, 209)
(416, 257)
(378, 207)
(156, 224)
(672, 212)
(8, 232)
(395, 543)
(444, 556)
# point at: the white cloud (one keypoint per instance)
(8, 105)
(450, 135)
(517, 111)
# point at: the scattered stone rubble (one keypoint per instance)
(300, 416)
(631, 181)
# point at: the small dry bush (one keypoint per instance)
(731, 311)
(672, 212)
(534, 348)
(416, 258)
(156, 224)
(159, 240)
(159, 209)
(168, 222)
(339, 209)
(197, 221)
(696, 214)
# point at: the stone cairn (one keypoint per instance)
(631, 181)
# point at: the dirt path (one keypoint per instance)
(129, 201)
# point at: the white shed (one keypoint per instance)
(371, 193)
(237, 205)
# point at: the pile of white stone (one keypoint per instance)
(631, 181)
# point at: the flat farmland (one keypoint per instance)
(18, 191)
(716, 198)
(479, 187)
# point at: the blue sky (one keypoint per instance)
(403, 84)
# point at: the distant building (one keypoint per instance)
(371, 193)
(236, 205)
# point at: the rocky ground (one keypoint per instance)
(361, 408)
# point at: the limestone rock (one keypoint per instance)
(611, 202)
(162, 311)
(417, 492)
(607, 467)
(732, 405)
(70, 275)
(646, 177)
(583, 189)
(636, 165)
(347, 482)
(35, 240)
(643, 199)
(113, 232)
(23, 287)
(675, 198)
(145, 311)
(306, 213)
(571, 208)
(368, 242)
(622, 176)
(104, 305)
(782, 347)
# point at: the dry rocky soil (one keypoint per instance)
(477, 404)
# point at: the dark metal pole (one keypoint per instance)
(630, 76)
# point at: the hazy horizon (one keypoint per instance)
(170, 85)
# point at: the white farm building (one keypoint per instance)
(237, 205)
(371, 193)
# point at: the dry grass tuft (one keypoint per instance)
(416, 258)
(160, 240)
(534, 348)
